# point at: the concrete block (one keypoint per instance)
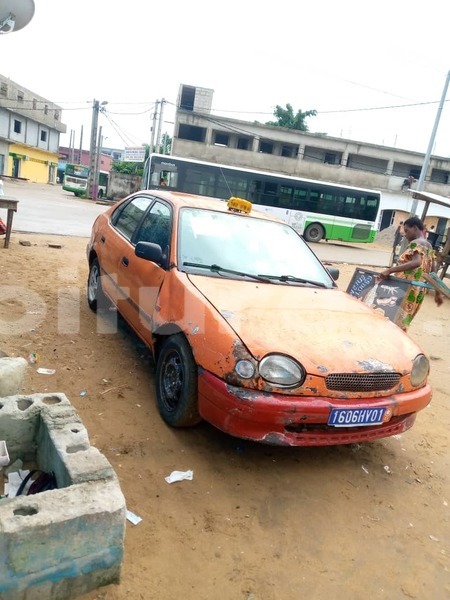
(20, 418)
(12, 372)
(61, 543)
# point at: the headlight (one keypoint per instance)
(281, 370)
(420, 370)
(245, 369)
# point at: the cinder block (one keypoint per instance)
(62, 543)
(12, 372)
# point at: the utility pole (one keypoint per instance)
(71, 145)
(98, 152)
(153, 129)
(93, 150)
(160, 122)
(81, 146)
(426, 161)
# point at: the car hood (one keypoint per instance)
(326, 330)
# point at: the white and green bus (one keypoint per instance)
(316, 209)
(76, 180)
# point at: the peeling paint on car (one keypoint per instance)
(374, 365)
(227, 314)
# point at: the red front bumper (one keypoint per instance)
(299, 420)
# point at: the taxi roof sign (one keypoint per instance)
(239, 205)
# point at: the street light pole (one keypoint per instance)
(93, 149)
(92, 181)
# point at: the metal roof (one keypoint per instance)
(431, 198)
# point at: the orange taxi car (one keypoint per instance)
(248, 328)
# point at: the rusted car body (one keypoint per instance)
(263, 353)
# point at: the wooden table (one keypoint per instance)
(10, 203)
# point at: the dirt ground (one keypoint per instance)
(256, 522)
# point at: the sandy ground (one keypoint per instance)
(257, 522)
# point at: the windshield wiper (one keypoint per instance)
(288, 278)
(218, 269)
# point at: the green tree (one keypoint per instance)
(286, 118)
(130, 168)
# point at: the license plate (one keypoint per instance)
(356, 417)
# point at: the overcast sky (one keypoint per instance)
(375, 72)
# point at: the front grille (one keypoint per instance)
(361, 382)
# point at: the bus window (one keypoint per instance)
(199, 181)
(254, 194)
(269, 197)
(332, 205)
(286, 196)
(300, 196)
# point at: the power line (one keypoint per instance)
(120, 132)
(326, 112)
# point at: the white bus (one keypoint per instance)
(316, 209)
(76, 180)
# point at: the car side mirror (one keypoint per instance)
(149, 251)
(334, 272)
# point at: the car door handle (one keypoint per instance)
(125, 261)
(103, 239)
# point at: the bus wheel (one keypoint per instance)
(314, 232)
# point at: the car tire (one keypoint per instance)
(314, 232)
(95, 296)
(176, 383)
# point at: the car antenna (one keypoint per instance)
(226, 182)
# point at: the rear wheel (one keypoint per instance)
(176, 383)
(95, 296)
(314, 232)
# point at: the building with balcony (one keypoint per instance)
(202, 135)
(30, 128)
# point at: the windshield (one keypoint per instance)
(246, 245)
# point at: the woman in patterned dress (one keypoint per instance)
(418, 258)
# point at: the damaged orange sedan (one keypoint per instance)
(248, 328)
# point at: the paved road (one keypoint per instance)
(363, 254)
(48, 209)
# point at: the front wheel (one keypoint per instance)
(314, 232)
(176, 383)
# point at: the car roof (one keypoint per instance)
(182, 200)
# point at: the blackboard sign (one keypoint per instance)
(384, 295)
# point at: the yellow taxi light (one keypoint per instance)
(239, 205)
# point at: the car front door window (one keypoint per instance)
(130, 216)
(156, 227)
